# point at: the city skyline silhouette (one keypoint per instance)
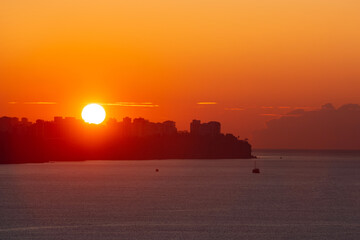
(71, 139)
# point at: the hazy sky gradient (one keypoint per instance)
(242, 54)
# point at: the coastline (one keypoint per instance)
(119, 160)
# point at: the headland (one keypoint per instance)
(71, 139)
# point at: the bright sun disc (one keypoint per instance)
(93, 113)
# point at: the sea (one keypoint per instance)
(297, 195)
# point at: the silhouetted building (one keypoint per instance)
(195, 126)
(58, 120)
(24, 120)
(205, 129)
(169, 128)
(5, 124)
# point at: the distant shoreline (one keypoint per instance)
(129, 160)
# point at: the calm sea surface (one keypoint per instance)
(298, 195)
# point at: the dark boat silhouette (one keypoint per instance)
(255, 170)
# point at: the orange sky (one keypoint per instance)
(244, 55)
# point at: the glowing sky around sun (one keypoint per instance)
(245, 56)
(93, 113)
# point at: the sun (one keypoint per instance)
(93, 113)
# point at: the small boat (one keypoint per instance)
(255, 170)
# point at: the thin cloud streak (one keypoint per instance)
(306, 108)
(41, 103)
(271, 114)
(234, 109)
(131, 104)
(34, 103)
(206, 103)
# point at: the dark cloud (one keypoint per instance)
(296, 112)
(325, 128)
